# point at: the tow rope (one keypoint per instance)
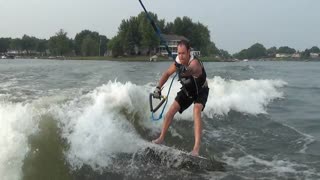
(162, 41)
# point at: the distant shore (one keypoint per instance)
(147, 58)
(134, 58)
(109, 58)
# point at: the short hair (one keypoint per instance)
(185, 43)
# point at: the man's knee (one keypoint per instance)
(174, 108)
(197, 107)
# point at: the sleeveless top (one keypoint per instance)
(191, 85)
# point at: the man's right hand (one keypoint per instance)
(157, 93)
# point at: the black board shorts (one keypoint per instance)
(184, 101)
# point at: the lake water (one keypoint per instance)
(76, 119)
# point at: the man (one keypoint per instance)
(194, 89)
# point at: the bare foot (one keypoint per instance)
(158, 141)
(195, 153)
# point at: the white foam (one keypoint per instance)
(8, 81)
(7, 84)
(246, 96)
(306, 139)
(280, 167)
(96, 127)
(16, 124)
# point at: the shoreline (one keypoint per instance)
(159, 59)
(136, 58)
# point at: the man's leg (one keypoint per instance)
(197, 108)
(174, 108)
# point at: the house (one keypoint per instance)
(280, 55)
(296, 55)
(6, 56)
(314, 55)
(171, 40)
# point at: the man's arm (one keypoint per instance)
(165, 76)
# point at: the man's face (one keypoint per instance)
(183, 54)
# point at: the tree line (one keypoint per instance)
(85, 43)
(259, 51)
(135, 36)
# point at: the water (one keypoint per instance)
(90, 120)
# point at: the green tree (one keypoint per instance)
(224, 54)
(255, 51)
(168, 29)
(306, 53)
(137, 33)
(42, 46)
(29, 43)
(79, 38)
(103, 44)
(114, 45)
(197, 33)
(129, 35)
(286, 50)
(89, 46)
(200, 39)
(16, 44)
(271, 52)
(4, 44)
(149, 38)
(184, 26)
(60, 44)
(212, 49)
(314, 49)
(243, 54)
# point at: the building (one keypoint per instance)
(6, 56)
(314, 55)
(296, 55)
(172, 40)
(282, 55)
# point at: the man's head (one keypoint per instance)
(184, 52)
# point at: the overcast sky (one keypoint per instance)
(234, 24)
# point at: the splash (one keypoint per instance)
(106, 121)
(97, 125)
(245, 96)
(16, 124)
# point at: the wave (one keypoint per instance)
(280, 168)
(97, 127)
(18, 121)
(245, 96)
(114, 118)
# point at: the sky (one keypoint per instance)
(233, 24)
